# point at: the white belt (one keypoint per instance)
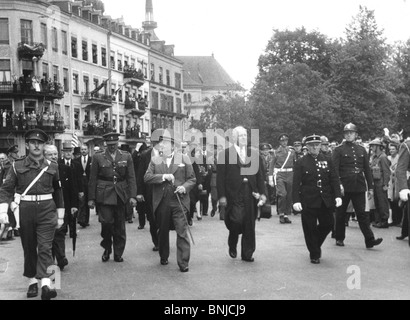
(285, 170)
(35, 197)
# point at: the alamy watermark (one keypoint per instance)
(354, 281)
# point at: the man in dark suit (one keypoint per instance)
(83, 165)
(352, 167)
(316, 191)
(239, 188)
(172, 177)
(112, 184)
(403, 185)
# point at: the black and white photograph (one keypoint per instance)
(204, 156)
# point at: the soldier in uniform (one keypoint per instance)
(281, 175)
(316, 191)
(298, 149)
(41, 210)
(267, 159)
(352, 167)
(112, 184)
(403, 185)
(324, 147)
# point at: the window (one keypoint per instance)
(45, 71)
(132, 62)
(178, 83)
(26, 27)
(76, 119)
(112, 61)
(86, 81)
(67, 117)
(152, 72)
(121, 124)
(74, 53)
(5, 71)
(103, 57)
(75, 83)
(95, 53)
(120, 99)
(160, 75)
(145, 70)
(119, 62)
(43, 31)
(4, 31)
(65, 80)
(168, 78)
(64, 44)
(95, 81)
(155, 101)
(85, 50)
(179, 105)
(56, 76)
(113, 92)
(54, 39)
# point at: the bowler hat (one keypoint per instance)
(36, 134)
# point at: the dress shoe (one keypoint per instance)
(32, 291)
(140, 227)
(130, 221)
(156, 248)
(62, 263)
(47, 293)
(232, 253)
(212, 213)
(282, 220)
(251, 259)
(382, 225)
(184, 269)
(16, 233)
(315, 261)
(287, 220)
(401, 237)
(106, 255)
(340, 243)
(164, 262)
(374, 242)
(118, 259)
(10, 235)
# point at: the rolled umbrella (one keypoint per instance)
(74, 231)
(186, 220)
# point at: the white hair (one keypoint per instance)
(236, 132)
(50, 147)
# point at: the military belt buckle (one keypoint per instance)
(245, 180)
(115, 179)
(319, 183)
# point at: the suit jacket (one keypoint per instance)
(110, 178)
(87, 167)
(70, 191)
(183, 173)
(75, 172)
(403, 165)
(144, 161)
(314, 181)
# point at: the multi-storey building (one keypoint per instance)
(68, 68)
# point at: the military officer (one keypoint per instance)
(281, 170)
(112, 183)
(267, 159)
(316, 191)
(37, 210)
(324, 147)
(298, 149)
(403, 167)
(352, 167)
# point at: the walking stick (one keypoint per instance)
(186, 221)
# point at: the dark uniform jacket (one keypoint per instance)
(110, 178)
(314, 181)
(352, 167)
(403, 165)
(26, 171)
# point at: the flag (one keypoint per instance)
(75, 142)
(98, 88)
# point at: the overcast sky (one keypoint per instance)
(237, 31)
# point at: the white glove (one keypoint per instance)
(169, 177)
(60, 223)
(342, 190)
(404, 195)
(271, 182)
(338, 202)
(297, 206)
(61, 213)
(4, 218)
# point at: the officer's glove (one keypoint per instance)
(60, 223)
(338, 202)
(271, 182)
(180, 190)
(262, 200)
(140, 198)
(169, 177)
(297, 206)
(404, 195)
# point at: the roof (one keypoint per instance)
(206, 72)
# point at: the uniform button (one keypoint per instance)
(319, 175)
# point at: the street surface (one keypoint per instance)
(282, 269)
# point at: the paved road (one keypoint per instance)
(282, 269)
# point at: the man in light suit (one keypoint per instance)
(172, 176)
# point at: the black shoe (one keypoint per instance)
(32, 291)
(118, 259)
(83, 225)
(401, 237)
(106, 255)
(205, 214)
(340, 243)
(47, 293)
(374, 242)
(212, 213)
(62, 263)
(16, 233)
(190, 223)
(315, 261)
(282, 220)
(382, 225)
(184, 269)
(287, 220)
(130, 221)
(140, 227)
(10, 235)
(164, 262)
(232, 253)
(251, 259)
(156, 248)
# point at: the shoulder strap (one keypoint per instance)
(34, 181)
(287, 158)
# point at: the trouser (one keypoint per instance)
(284, 182)
(58, 249)
(317, 223)
(359, 204)
(396, 212)
(204, 199)
(38, 221)
(169, 210)
(141, 209)
(405, 223)
(84, 210)
(112, 220)
(146, 208)
(381, 203)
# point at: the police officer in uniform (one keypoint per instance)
(112, 184)
(39, 215)
(352, 167)
(316, 191)
(281, 170)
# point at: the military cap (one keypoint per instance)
(350, 127)
(283, 136)
(36, 134)
(77, 150)
(376, 142)
(265, 146)
(314, 138)
(324, 140)
(395, 142)
(67, 146)
(13, 149)
(297, 143)
(111, 138)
